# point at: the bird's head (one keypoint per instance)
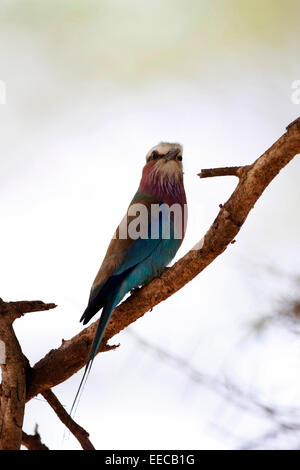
(163, 174)
(165, 159)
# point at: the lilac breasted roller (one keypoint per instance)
(134, 258)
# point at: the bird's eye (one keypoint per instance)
(154, 155)
(179, 158)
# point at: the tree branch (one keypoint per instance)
(13, 310)
(226, 171)
(61, 363)
(13, 366)
(81, 434)
(33, 442)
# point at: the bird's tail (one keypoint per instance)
(102, 323)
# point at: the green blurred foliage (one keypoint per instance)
(134, 40)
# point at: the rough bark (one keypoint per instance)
(13, 386)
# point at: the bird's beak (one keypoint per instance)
(172, 154)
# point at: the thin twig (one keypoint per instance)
(81, 434)
(225, 171)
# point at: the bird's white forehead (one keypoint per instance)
(164, 147)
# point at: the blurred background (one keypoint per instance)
(90, 87)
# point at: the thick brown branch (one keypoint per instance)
(13, 387)
(13, 366)
(33, 442)
(81, 434)
(60, 364)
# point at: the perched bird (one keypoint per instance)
(135, 257)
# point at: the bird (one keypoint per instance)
(135, 259)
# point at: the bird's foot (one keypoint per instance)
(162, 270)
